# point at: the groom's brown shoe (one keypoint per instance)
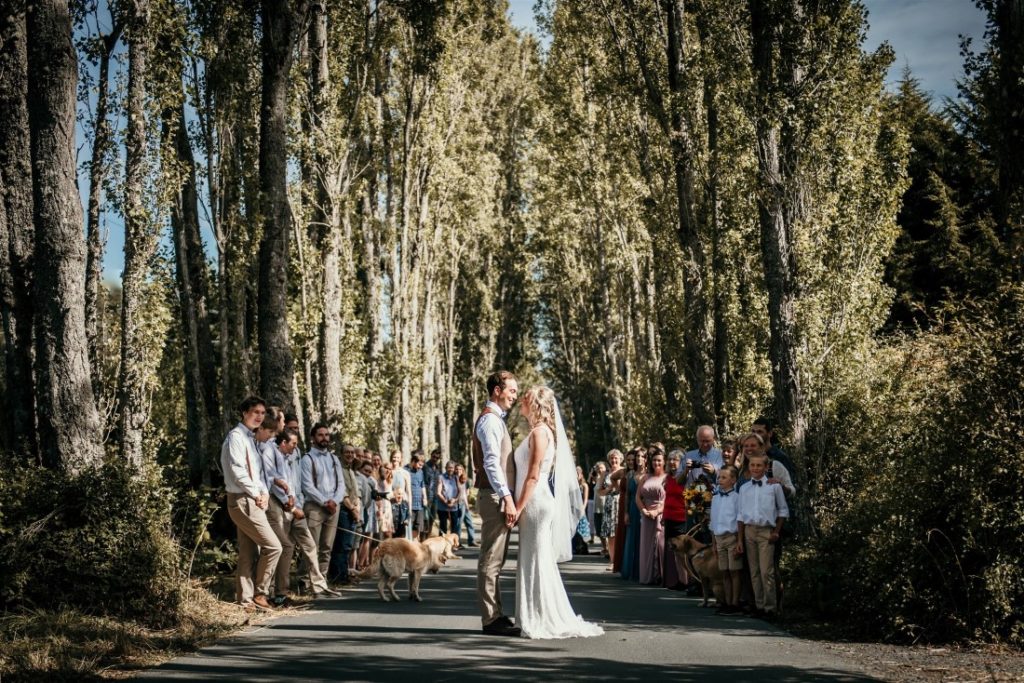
(502, 626)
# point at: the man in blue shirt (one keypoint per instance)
(419, 495)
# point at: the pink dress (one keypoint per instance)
(652, 532)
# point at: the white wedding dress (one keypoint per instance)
(542, 606)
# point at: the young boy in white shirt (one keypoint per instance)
(724, 528)
(762, 512)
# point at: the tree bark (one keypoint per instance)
(139, 244)
(69, 428)
(281, 24)
(16, 233)
(777, 211)
(101, 145)
(202, 412)
(698, 323)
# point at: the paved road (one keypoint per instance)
(651, 635)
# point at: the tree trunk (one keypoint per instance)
(101, 146)
(69, 428)
(777, 194)
(698, 324)
(201, 405)
(139, 243)
(16, 234)
(281, 26)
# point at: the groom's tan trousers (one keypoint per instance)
(494, 538)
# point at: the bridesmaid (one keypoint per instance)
(631, 548)
(610, 490)
(650, 499)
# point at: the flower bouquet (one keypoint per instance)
(698, 501)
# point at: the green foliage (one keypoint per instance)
(97, 542)
(920, 510)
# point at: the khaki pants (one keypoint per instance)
(494, 538)
(310, 576)
(255, 538)
(322, 527)
(761, 561)
(281, 522)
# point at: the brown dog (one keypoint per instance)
(396, 556)
(453, 545)
(701, 561)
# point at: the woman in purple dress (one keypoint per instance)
(650, 498)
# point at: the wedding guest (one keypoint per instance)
(631, 546)
(432, 470)
(762, 513)
(579, 539)
(610, 490)
(447, 500)
(418, 499)
(384, 494)
(703, 461)
(764, 428)
(349, 518)
(323, 489)
(402, 482)
(367, 486)
(466, 513)
(247, 504)
(729, 452)
(400, 508)
(674, 521)
(650, 501)
(751, 445)
(598, 476)
(724, 529)
(274, 481)
(289, 496)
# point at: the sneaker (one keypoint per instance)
(326, 593)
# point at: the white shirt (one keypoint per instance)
(761, 505)
(292, 474)
(491, 431)
(780, 472)
(241, 463)
(268, 455)
(330, 482)
(713, 456)
(725, 510)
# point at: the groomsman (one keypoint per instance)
(287, 496)
(247, 504)
(323, 488)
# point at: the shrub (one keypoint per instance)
(98, 541)
(921, 520)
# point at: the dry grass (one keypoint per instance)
(66, 645)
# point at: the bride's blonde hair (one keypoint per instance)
(542, 406)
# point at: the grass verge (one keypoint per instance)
(67, 645)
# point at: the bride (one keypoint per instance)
(549, 513)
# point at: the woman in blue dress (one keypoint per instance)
(631, 550)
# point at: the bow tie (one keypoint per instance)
(757, 481)
(724, 493)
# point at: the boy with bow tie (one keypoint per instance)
(762, 512)
(724, 526)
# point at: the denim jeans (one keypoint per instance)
(467, 522)
(343, 545)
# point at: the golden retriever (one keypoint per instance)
(701, 561)
(396, 556)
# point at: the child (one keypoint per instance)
(724, 520)
(400, 508)
(762, 512)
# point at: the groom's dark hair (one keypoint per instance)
(497, 381)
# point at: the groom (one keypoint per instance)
(495, 475)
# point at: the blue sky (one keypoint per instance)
(924, 34)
